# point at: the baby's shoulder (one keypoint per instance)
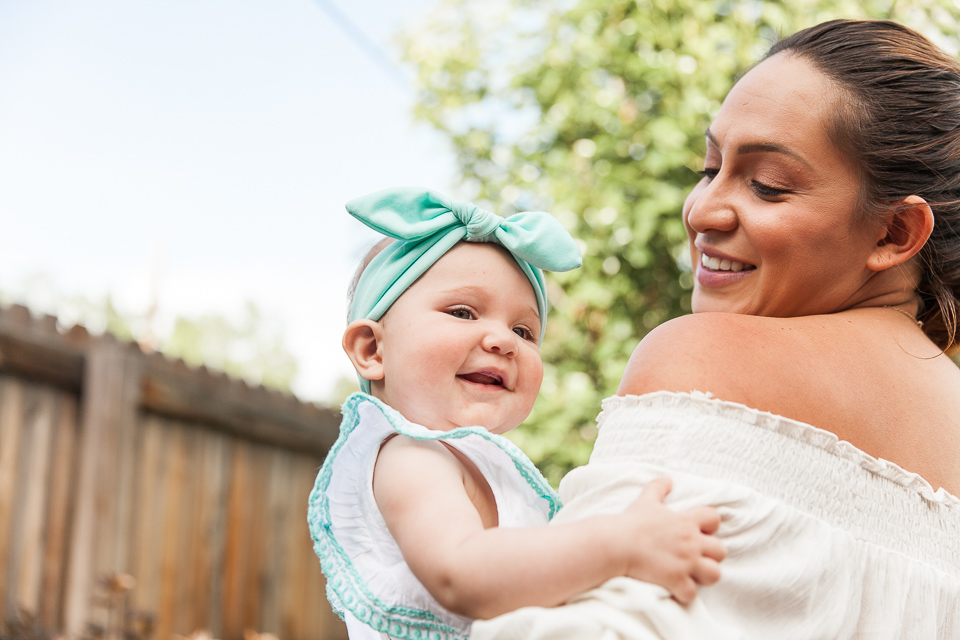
(408, 467)
(399, 449)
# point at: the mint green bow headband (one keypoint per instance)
(428, 225)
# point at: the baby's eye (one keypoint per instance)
(461, 312)
(524, 333)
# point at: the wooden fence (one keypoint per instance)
(113, 460)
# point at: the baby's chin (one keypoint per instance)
(495, 426)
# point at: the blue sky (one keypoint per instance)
(202, 151)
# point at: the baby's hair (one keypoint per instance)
(364, 262)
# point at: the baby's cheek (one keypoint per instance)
(530, 382)
(537, 378)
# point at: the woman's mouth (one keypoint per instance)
(718, 264)
(721, 272)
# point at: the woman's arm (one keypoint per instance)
(482, 572)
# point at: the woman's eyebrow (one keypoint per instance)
(763, 147)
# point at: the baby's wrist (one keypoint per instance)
(620, 543)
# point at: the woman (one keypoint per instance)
(824, 235)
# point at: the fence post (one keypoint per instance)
(110, 398)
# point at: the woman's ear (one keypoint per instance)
(903, 235)
(363, 342)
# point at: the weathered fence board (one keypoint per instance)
(11, 427)
(59, 505)
(112, 460)
(144, 562)
(36, 472)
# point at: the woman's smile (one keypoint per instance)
(717, 270)
(717, 264)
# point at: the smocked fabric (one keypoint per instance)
(823, 540)
(368, 582)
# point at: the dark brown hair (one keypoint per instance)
(898, 119)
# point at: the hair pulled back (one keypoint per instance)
(899, 121)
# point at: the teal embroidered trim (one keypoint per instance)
(346, 590)
(524, 464)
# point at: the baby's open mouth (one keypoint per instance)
(483, 377)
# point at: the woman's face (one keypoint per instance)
(772, 225)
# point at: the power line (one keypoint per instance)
(368, 46)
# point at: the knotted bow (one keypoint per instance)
(428, 225)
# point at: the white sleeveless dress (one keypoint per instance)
(823, 540)
(368, 582)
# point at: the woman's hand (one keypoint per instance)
(676, 550)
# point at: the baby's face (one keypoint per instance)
(459, 347)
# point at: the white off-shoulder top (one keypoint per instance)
(823, 540)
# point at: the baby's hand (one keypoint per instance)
(675, 550)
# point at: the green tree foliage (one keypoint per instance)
(595, 111)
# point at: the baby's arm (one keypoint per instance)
(480, 572)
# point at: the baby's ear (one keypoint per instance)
(907, 228)
(363, 342)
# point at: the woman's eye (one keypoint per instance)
(462, 313)
(766, 191)
(709, 173)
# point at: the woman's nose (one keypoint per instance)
(501, 340)
(709, 207)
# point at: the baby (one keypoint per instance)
(423, 516)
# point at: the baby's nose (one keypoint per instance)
(500, 340)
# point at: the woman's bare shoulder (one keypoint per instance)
(736, 357)
(867, 376)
